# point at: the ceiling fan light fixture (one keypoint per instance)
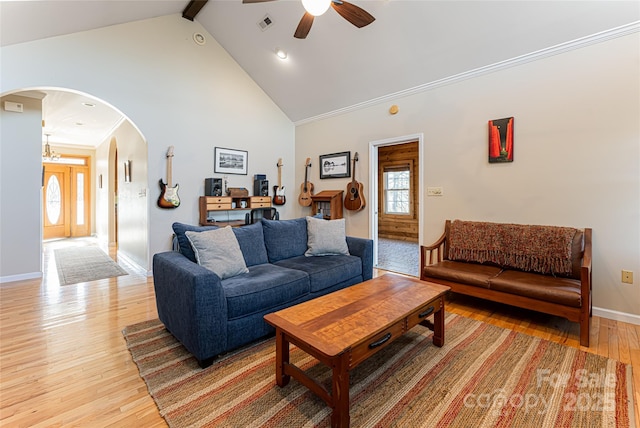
(281, 53)
(316, 7)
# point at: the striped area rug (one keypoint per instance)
(484, 376)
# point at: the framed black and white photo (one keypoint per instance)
(335, 165)
(230, 161)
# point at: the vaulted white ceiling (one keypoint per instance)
(412, 43)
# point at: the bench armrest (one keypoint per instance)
(585, 271)
(434, 253)
(191, 304)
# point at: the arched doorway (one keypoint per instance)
(68, 115)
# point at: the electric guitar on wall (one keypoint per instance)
(306, 188)
(354, 199)
(278, 191)
(168, 195)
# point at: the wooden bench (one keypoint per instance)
(506, 263)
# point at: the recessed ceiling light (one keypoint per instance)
(88, 104)
(282, 54)
(199, 38)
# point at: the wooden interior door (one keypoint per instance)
(55, 202)
(395, 224)
(66, 201)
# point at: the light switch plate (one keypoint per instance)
(434, 191)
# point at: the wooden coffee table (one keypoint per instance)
(344, 328)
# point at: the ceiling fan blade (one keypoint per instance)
(352, 13)
(304, 26)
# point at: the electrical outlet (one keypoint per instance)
(627, 276)
(434, 191)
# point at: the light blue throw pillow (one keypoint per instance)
(218, 250)
(326, 237)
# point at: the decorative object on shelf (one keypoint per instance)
(238, 192)
(354, 199)
(501, 140)
(168, 195)
(49, 155)
(278, 191)
(328, 203)
(230, 161)
(335, 165)
(127, 172)
(306, 188)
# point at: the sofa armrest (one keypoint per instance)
(362, 248)
(191, 304)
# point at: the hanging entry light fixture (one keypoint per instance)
(49, 155)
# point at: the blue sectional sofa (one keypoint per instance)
(211, 316)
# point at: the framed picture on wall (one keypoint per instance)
(501, 140)
(230, 161)
(335, 165)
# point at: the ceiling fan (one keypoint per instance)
(352, 13)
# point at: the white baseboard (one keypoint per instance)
(616, 316)
(132, 264)
(21, 277)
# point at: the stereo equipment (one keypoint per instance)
(261, 187)
(213, 186)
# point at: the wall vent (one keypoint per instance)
(265, 22)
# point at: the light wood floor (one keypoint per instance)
(63, 360)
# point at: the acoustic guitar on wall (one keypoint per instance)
(278, 191)
(168, 195)
(354, 199)
(306, 188)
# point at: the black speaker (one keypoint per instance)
(213, 186)
(260, 187)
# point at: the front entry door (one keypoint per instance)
(65, 201)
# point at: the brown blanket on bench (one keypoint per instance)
(542, 249)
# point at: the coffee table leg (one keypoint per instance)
(282, 358)
(340, 392)
(438, 325)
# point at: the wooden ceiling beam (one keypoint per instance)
(193, 8)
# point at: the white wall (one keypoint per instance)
(175, 92)
(577, 153)
(133, 198)
(20, 189)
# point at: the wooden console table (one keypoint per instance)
(226, 203)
